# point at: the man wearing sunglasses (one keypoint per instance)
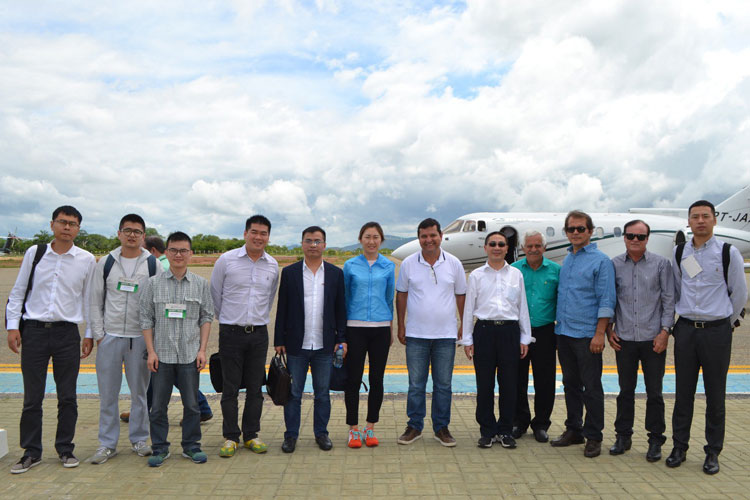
(50, 312)
(639, 332)
(585, 303)
(496, 297)
(709, 299)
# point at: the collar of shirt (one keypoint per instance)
(545, 263)
(72, 251)
(587, 248)
(378, 261)
(487, 268)
(712, 241)
(645, 257)
(321, 269)
(242, 252)
(440, 260)
(168, 274)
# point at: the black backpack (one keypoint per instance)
(111, 262)
(40, 251)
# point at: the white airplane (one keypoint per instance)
(464, 237)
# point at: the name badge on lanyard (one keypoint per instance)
(178, 311)
(127, 285)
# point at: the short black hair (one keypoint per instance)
(580, 215)
(368, 225)
(258, 219)
(703, 203)
(156, 243)
(495, 233)
(67, 210)
(135, 218)
(179, 236)
(313, 229)
(428, 222)
(636, 221)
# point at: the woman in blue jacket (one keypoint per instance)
(370, 280)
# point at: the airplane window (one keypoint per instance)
(481, 225)
(470, 226)
(453, 227)
(618, 232)
(598, 232)
(550, 231)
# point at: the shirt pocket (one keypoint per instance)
(514, 292)
(193, 308)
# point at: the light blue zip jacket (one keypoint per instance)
(369, 289)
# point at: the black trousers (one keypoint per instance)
(364, 341)
(696, 348)
(243, 357)
(496, 354)
(543, 362)
(582, 380)
(628, 357)
(62, 344)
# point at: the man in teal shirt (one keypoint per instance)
(540, 277)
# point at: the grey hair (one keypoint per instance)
(534, 232)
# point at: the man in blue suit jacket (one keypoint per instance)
(310, 325)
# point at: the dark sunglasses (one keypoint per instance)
(494, 244)
(580, 229)
(632, 236)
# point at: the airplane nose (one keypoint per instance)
(405, 250)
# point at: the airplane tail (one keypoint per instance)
(734, 212)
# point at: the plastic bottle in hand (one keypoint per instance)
(338, 357)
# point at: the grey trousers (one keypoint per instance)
(112, 353)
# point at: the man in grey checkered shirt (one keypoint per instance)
(176, 315)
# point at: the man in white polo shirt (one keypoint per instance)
(431, 287)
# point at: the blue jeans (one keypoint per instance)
(319, 361)
(185, 376)
(420, 354)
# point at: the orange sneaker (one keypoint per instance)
(355, 439)
(370, 439)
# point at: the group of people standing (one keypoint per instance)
(155, 320)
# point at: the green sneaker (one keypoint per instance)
(256, 445)
(158, 460)
(229, 448)
(196, 455)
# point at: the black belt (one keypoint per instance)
(704, 324)
(47, 324)
(497, 322)
(242, 328)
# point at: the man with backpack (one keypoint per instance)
(710, 295)
(118, 281)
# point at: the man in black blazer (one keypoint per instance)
(310, 326)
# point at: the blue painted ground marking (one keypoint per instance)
(737, 383)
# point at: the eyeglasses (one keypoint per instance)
(314, 243)
(182, 251)
(632, 236)
(580, 229)
(494, 244)
(71, 223)
(129, 231)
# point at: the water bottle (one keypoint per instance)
(338, 357)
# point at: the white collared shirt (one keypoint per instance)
(243, 290)
(314, 288)
(431, 303)
(496, 295)
(60, 290)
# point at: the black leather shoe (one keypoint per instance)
(324, 442)
(567, 438)
(516, 432)
(593, 448)
(289, 444)
(654, 452)
(541, 435)
(711, 465)
(622, 444)
(676, 458)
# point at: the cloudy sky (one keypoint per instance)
(199, 114)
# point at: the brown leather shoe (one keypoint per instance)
(125, 416)
(409, 436)
(443, 436)
(593, 448)
(567, 438)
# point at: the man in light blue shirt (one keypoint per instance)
(585, 302)
(709, 298)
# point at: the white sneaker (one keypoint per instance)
(142, 449)
(102, 455)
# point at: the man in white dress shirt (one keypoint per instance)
(243, 285)
(50, 310)
(496, 297)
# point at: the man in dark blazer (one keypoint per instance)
(310, 326)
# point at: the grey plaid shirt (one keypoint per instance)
(176, 340)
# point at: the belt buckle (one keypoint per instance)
(499, 322)
(700, 324)
(249, 328)
(48, 325)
